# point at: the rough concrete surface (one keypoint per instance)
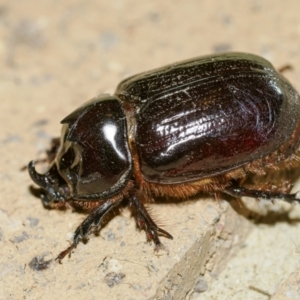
(55, 55)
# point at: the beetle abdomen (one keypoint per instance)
(212, 116)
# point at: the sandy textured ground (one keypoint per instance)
(55, 55)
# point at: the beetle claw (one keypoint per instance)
(161, 247)
(144, 221)
(64, 253)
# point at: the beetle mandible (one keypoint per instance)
(201, 125)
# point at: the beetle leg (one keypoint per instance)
(144, 220)
(92, 220)
(238, 191)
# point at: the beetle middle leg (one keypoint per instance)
(238, 191)
(144, 221)
(92, 220)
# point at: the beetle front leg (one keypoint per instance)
(144, 221)
(238, 191)
(93, 220)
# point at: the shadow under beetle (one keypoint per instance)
(201, 125)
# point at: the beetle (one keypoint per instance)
(201, 125)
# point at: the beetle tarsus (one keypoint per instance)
(64, 253)
(160, 247)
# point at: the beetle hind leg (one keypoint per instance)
(144, 221)
(238, 191)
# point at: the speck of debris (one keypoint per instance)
(41, 122)
(137, 287)
(42, 134)
(33, 221)
(109, 40)
(113, 278)
(154, 17)
(201, 285)
(11, 139)
(3, 10)
(221, 48)
(29, 33)
(226, 19)
(39, 263)
(24, 236)
(110, 236)
(38, 80)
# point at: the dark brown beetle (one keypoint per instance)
(201, 125)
